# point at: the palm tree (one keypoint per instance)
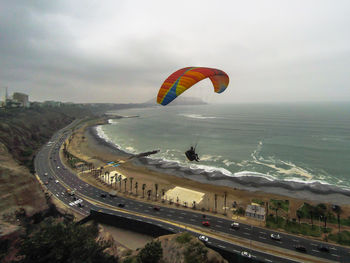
(163, 193)
(149, 194)
(112, 177)
(136, 186)
(125, 180)
(194, 205)
(156, 187)
(225, 195)
(131, 178)
(143, 190)
(120, 182)
(215, 202)
(300, 214)
(276, 207)
(337, 209)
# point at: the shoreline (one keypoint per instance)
(315, 191)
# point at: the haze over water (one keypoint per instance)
(292, 142)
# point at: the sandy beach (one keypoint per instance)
(86, 145)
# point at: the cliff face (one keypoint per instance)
(22, 133)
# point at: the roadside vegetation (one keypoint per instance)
(53, 241)
(321, 220)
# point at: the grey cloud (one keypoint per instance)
(46, 52)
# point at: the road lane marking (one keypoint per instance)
(221, 246)
(262, 237)
(246, 233)
(312, 244)
(315, 250)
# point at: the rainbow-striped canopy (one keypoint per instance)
(185, 78)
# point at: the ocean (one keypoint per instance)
(303, 143)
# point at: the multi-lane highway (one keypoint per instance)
(58, 178)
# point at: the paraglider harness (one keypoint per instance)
(191, 154)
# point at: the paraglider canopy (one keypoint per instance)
(185, 78)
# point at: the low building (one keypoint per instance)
(255, 211)
(21, 98)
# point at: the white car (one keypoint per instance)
(235, 225)
(275, 237)
(56, 181)
(246, 254)
(58, 167)
(203, 238)
(45, 174)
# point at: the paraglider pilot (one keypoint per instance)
(192, 155)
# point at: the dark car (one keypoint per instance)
(323, 248)
(103, 195)
(156, 208)
(121, 205)
(300, 248)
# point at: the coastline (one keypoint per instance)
(314, 191)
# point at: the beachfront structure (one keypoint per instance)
(21, 98)
(255, 211)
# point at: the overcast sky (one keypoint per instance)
(122, 51)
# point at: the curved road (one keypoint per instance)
(57, 178)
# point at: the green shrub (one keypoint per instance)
(151, 253)
(195, 253)
(342, 238)
(184, 238)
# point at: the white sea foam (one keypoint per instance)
(130, 149)
(211, 169)
(207, 157)
(227, 162)
(192, 166)
(198, 116)
(272, 163)
(112, 121)
(102, 134)
(255, 174)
